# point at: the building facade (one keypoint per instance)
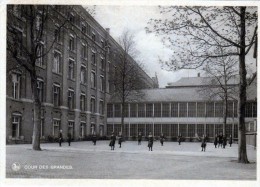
(73, 77)
(181, 109)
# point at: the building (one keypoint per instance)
(181, 109)
(73, 78)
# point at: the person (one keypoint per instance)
(220, 140)
(139, 138)
(94, 138)
(162, 138)
(216, 140)
(230, 140)
(150, 141)
(60, 137)
(69, 138)
(224, 141)
(179, 139)
(120, 139)
(203, 143)
(112, 141)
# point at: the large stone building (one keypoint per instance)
(73, 78)
(181, 108)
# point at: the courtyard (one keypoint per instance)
(83, 160)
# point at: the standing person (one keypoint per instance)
(112, 141)
(220, 140)
(139, 138)
(120, 139)
(216, 140)
(224, 141)
(60, 137)
(162, 138)
(69, 138)
(150, 141)
(230, 140)
(203, 143)
(179, 139)
(94, 138)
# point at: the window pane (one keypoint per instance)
(174, 110)
(191, 109)
(200, 109)
(183, 109)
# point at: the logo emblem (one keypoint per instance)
(16, 166)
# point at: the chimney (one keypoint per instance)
(108, 30)
(198, 74)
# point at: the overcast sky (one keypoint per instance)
(135, 18)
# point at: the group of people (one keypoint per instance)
(221, 140)
(61, 138)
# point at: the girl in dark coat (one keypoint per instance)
(94, 138)
(112, 141)
(203, 143)
(150, 141)
(162, 138)
(69, 138)
(60, 138)
(224, 141)
(220, 140)
(230, 140)
(139, 138)
(216, 141)
(179, 139)
(120, 139)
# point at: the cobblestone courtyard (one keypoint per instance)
(171, 161)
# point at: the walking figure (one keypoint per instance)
(224, 141)
(230, 140)
(150, 141)
(120, 139)
(139, 138)
(69, 138)
(112, 141)
(203, 143)
(220, 140)
(216, 140)
(162, 138)
(179, 139)
(60, 137)
(94, 138)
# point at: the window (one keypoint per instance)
(18, 42)
(110, 129)
(165, 110)
(82, 101)
(39, 60)
(200, 129)
(248, 110)
(93, 105)
(16, 81)
(101, 83)
(235, 131)
(109, 110)
(93, 57)
(148, 129)
(235, 109)
(71, 43)
(183, 130)
(40, 89)
(218, 128)
(101, 107)
(93, 36)
(56, 127)
(133, 110)
(157, 129)
(83, 28)
(57, 63)
(210, 109)
(191, 130)
(174, 130)
(149, 110)
(82, 129)
(71, 99)
(56, 95)
(126, 110)
(183, 110)
(191, 109)
(71, 69)
(83, 75)
(230, 109)
(71, 129)
(71, 18)
(83, 51)
(117, 110)
(141, 110)
(93, 79)
(218, 109)
(16, 123)
(57, 35)
(102, 63)
(133, 129)
(157, 110)
(102, 43)
(200, 109)
(254, 109)
(174, 110)
(166, 129)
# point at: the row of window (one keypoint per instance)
(174, 130)
(180, 109)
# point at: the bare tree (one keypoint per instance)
(127, 78)
(196, 33)
(26, 54)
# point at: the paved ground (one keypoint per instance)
(171, 161)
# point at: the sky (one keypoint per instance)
(134, 19)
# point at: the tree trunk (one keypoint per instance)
(36, 115)
(123, 120)
(242, 152)
(225, 115)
